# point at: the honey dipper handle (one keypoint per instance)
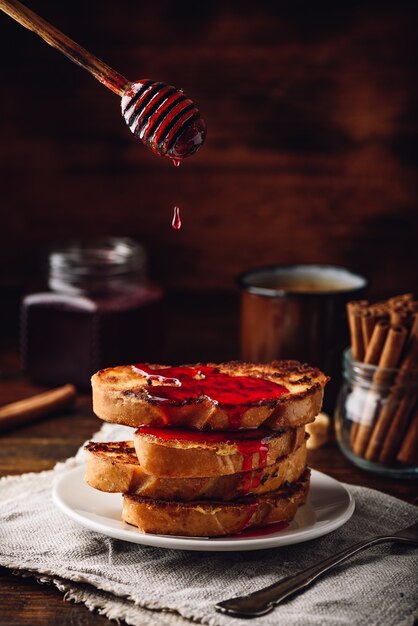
(102, 72)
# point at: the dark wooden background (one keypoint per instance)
(311, 157)
(311, 149)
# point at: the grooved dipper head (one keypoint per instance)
(163, 118)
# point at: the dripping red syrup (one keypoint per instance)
(176, 222)
(251, 510)
(241, 437)
(248, 444)
(262, 532)
(233, 394)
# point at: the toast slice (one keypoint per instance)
(179, 453)
(226, 396)
(214, 519)
(114, 467)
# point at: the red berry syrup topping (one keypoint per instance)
(233, 394)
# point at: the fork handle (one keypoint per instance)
(263, 601)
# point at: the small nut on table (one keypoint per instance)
(319, 432)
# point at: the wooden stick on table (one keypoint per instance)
(30, 409)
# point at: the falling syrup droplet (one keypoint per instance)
(176, 223)
(176, 162)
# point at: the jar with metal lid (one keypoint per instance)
(99, 311)
(376, 418)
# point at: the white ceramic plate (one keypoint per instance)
(328, 507)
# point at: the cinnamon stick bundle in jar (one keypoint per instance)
(385, 336)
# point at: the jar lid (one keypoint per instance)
(102, 264)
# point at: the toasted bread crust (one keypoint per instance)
(113, 467)
(120, 396)
(213, 519)
(163, 458)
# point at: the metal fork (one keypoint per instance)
(263, 601)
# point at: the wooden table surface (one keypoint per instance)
(40, 445)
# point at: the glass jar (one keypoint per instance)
(376, 418)
(99, 311)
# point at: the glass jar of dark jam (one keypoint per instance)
(99, 311)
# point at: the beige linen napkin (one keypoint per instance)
(148, 586)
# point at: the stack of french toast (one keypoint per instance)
(217, 448)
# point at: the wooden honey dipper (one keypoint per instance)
(161, 116)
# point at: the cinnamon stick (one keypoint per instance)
(400, 315)
(391, 353)
(375, 347)
(355, 311)
(396, 430)
(356, 333)
(408, 452)
(368, 322)
(358, 304)
(380, 311)
(403, 297)
(31, 409)
(388, 427)
(388, 360)
(410, 359)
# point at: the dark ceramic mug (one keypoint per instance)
(298, 312)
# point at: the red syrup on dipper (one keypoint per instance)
(163, 118)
